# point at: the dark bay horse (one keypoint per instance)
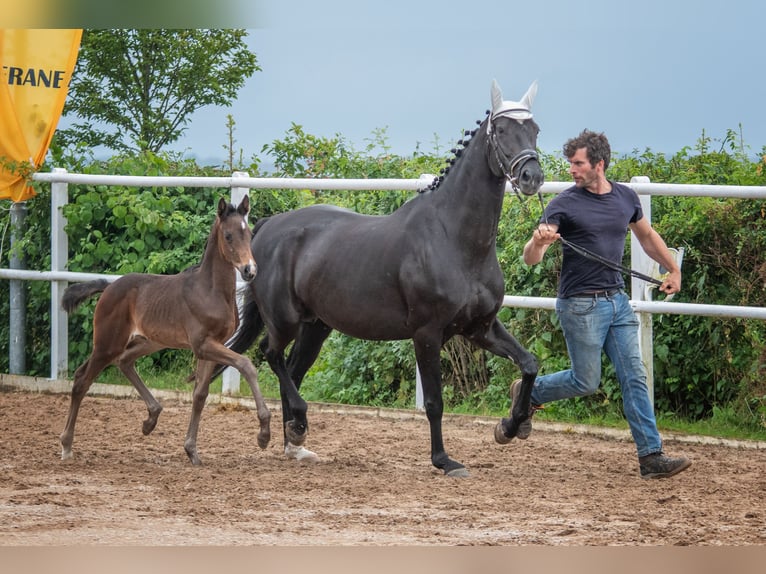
(426, 272)
(196, 309)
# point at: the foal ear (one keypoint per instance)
(222, 207)
(244, 206)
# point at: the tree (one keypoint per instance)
(136, 89)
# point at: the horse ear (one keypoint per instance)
(221, 207)
(529, 97)
(244, 206)
(497, 97)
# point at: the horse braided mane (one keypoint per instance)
(457, 152)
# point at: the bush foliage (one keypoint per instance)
(701, 363)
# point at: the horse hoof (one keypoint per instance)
(300, 453)
(500, 437)
(293, 436)
(66, 454)
(461, 472)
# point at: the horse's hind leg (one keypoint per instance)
(83, 378)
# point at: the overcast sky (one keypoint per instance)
(650, 74)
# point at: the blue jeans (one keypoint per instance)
(591, 324)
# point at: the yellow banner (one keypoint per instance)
(37, 66)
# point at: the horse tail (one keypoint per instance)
(259, 223)
(79, 292)
(250, 321)
(250, 326)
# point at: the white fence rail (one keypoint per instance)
(240, 183)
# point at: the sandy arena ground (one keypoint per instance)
(374, 486)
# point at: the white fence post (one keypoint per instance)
(642, 263)
(231, 379)
(59, 257)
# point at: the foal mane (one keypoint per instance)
(230, 209)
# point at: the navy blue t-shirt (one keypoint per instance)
(599, 223)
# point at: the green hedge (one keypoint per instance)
(701, 363)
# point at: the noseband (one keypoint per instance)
(515, 164)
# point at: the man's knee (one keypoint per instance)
(587, 385)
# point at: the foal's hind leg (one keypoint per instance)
(153, 407)
(127, 364)
(83, 378)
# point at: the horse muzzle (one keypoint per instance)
(526, 174)
(530, 178)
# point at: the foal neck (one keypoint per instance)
(214, 266)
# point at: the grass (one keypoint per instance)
(724, 422)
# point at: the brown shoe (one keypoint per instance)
(525, 428)
(657, 465)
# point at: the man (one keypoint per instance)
(592, 307)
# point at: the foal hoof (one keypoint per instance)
(263, 438)
(151, 421)
(500, 437)
(148, 426)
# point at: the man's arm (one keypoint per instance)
(542, 238)
(655, 247)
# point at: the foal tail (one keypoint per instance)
(79, 292)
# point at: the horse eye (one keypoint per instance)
(228, 236)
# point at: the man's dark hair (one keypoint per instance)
(596, 146)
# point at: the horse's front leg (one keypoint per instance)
(294, 408)
(500, 342)
(427, 350)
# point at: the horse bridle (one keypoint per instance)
(516, 163)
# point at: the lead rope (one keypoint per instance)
(596, 257)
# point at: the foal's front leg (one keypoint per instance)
(210, 354)
(199, 397)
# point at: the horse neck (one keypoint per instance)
(470, 199)
(216, 271)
